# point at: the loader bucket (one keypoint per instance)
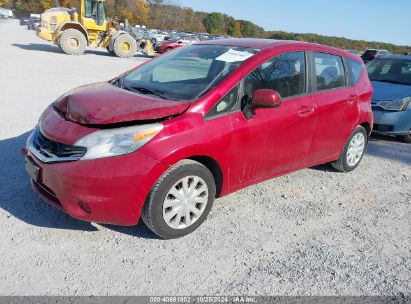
(149, 49)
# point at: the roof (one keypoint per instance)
(245, 42)
(263, 44)
(399, 57)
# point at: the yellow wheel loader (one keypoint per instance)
(74, 32)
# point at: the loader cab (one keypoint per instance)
(93, 15)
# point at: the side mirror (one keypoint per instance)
(263, 98)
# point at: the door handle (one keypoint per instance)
(352, 99)
(305, 111)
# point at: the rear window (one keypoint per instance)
(329, 70)
(355, 70)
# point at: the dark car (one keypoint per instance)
(372, 54)
(24, 20)
(391, 102)
(33, 23)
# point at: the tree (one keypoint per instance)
(236, 32)
(141, 12)
(214, 23)
(4, 3)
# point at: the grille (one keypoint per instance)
(52, 150)
(48, 194)
(383, 128)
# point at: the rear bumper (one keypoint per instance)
(392, 123)
(110, 190)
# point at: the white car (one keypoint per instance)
(155, 35)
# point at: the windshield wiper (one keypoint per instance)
(145, 91)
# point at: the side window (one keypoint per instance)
(226, 105)
(284, 73)
(355, 69)
(101, 16)
(329, 70)
(88, 8)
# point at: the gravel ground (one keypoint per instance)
(312, 232)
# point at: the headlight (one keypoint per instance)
(395, 105)
(113, 142)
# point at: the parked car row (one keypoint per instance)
(164, 41)
(370, 54)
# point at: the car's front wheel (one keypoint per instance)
(353, 151)
(405, 138)
(180, 200)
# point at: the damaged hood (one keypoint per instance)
(103, 103)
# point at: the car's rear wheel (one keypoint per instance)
(180, 200)
(353, 151)
(406, 138)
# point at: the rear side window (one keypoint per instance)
(329, 70)
(355, 69)
(284, 73)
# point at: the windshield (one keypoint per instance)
(390, 70)
(186, 73)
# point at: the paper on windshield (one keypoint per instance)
(234, 56)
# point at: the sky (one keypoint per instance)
(371, 20)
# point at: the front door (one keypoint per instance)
(273, 140)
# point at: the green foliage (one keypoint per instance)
(215, 24)
(339, 42)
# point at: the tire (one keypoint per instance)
(153, 41)
(169, 49)
(110, 52)
(352, 155)
(163, 220)
(58, 43)
(405, 138)
(73, 42)
(125, 46)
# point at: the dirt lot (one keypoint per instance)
(313, 232)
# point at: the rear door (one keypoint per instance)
(336, 104)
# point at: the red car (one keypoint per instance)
(175, 42)
(164, 140)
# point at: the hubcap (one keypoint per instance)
(74, 43)
(355, 149)
(185, 202)
(126, 46)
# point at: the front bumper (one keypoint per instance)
(108, 190)
(392, 123)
